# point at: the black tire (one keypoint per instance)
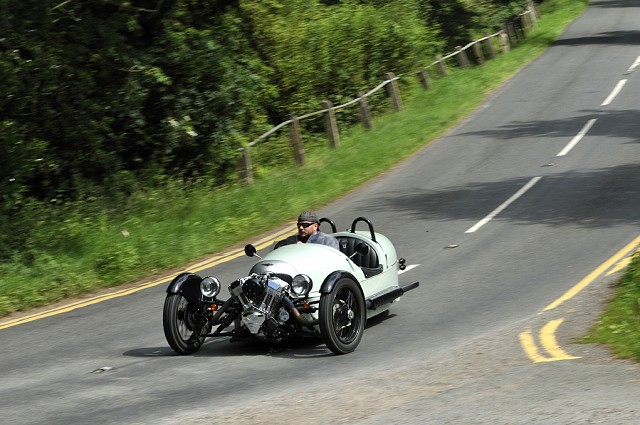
(342, 316)
(183, 325)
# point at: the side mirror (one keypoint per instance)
(250, 251)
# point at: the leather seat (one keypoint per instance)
(369, 263)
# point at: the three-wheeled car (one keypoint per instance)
(294, 290)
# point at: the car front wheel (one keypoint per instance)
(342, 316)
(183, 326)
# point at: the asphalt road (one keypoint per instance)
(533, 194)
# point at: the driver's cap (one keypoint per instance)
(308, 216)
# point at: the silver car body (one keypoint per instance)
(320, 261)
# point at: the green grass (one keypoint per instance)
(619, 325)
(80, 248)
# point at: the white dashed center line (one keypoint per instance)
(505, 204)
(577, 137)
(614, 92)
(633, 67)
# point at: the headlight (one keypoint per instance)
(301, 285)
(210, 286)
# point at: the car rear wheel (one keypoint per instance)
(342, 316)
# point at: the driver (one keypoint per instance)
(307, 226)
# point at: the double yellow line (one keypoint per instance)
(546, 335)
(210, 262)
(548, 341)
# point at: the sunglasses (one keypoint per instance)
(304, 225)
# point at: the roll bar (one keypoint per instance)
(334, 229)
(366, 220)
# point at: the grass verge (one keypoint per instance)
(619, 325)
(80, 248)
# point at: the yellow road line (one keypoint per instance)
(547, 333)
(621, 265)
(548, 342)
(594, 274)
(530, 348)
(210, 262)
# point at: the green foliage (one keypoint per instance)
(461, 21)
(104, 93)
(326, 53)
(98, 84)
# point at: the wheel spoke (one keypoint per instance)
(348, 299)
(184, 319)
(343, 309)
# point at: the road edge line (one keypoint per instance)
(587, 280)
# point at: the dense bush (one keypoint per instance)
(101, 98)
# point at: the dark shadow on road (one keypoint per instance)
(292, 348)
(611, 123)
(303, 347)
(612, 4)
(604, 197)
(150, 352)
(607, 38)
(379, 319)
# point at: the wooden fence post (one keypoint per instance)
(442, 68)
(394, 91)
(246, 168)
(463, 59)
(365, 115)
(512, 33)
(296, 141)
(491, 49)
(477, 53)
(526, 22)
(534, 12)
(331, 125)
(504, 42)
(425, 82)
